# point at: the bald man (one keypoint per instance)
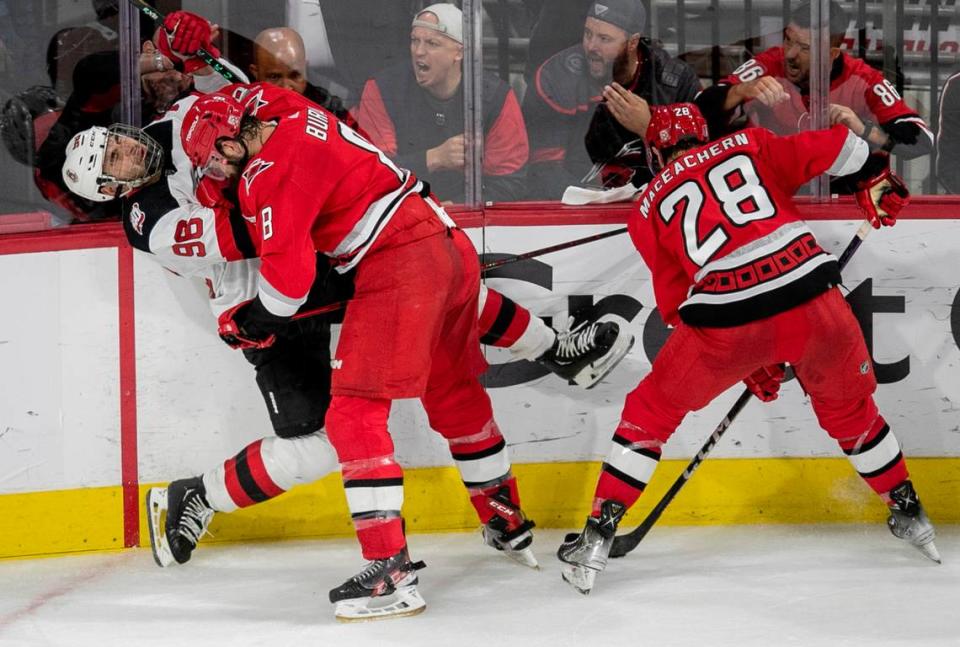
(280, 59)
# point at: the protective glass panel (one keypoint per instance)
(59, 73)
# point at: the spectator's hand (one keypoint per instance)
(766, 90)
(631, 111)
(152, 60)
(182, 35)
(447, 156)
(843, 115)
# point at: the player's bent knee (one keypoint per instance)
(293, 461)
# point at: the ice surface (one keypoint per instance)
(696, 586)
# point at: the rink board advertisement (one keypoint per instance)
(61, 412)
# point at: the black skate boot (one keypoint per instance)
(187, 518)
(587, 352)
(509, 530)
(385, 588)
(585, 555)
(908, 520)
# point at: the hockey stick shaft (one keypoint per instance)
(333, 307)
(486, 267)
(625, 543)
(202, 54)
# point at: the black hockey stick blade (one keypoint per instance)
(623, 544)
(202, 54)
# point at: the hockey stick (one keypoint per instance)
(202, 54)
(486, 267)
(624, 543)
(333, 307)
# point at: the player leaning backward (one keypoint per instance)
(189, 227)
(746, 284)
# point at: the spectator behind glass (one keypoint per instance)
(572, 134)
(72, 44)
(413, 112)
(348, 42)
(948, 139)
(96, 102)
(279, 58)
(773, 90)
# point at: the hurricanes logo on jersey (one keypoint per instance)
(254, 168)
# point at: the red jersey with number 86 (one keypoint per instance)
(721, 235)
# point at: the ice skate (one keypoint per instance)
(186, 520)
(908, 520)
(587, 352)
(509, 531)
(585, 555)
(386, 588)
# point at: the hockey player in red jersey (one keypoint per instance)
(746, 285)
(409, 331)
(191, 230)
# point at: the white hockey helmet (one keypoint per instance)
(83, 169)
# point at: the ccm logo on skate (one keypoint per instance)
(336, 363)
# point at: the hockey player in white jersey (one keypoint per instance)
(189, 229)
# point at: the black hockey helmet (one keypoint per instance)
(18, 115)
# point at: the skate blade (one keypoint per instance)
(596, 371)
(405, 601)
(156, 504)
(930, 551)
(524, 557)
(579, 577)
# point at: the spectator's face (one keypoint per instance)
(436, 58)
(796, 53)
(124, 158)
(603, 43)
(285, 74)
(161, 89)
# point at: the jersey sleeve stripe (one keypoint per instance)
(853, 154)
(276, 302)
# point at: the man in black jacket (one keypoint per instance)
(590, 100)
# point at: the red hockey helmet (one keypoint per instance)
(209, 119)
(673, 123)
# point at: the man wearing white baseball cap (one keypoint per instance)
(414, 113)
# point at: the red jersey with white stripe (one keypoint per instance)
(315, 186)
(853, 84)
(720, 232)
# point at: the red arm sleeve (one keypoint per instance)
(288, 255)
(506, 149)
(796, 159)
(374, 120)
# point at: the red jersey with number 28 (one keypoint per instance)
(315, 186)
(720, 232)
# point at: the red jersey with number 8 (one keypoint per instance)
(721, 235)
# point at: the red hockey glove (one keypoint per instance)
(181, 35)
(882, 197)
(232, 333)
(765, 382)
